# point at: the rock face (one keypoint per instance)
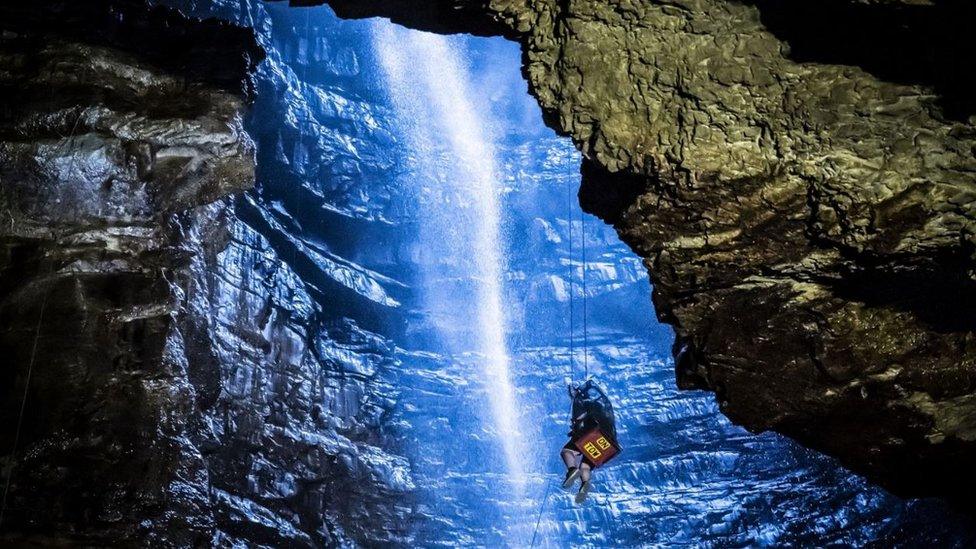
(169, 379)
(109, 157)
(253, 371)
(804, 202)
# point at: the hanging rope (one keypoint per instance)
(298, 219)
(545, 498)
(37, 331)
(23, 405)
(586, 345)
(572, 326)
(538, 519)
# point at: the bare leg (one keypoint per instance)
(569, 457)
(585, 485)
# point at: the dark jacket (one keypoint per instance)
(591, 408)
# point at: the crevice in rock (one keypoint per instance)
(927, 43)
(207, 51)
(935, 289)
(438, 16)
(608, 195)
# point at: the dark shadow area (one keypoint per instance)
(438, 16)
(937, 291)
(931, 45)
(606, 194)
(160, 35)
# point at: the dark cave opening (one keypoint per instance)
(930, 44)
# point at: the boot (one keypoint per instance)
(571, 475)
(583, 491)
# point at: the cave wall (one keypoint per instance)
(109, 154)
(803, 201)
(191, 362)
(206, 370)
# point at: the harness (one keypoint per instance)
(592, 428)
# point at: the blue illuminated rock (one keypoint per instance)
(258, 369)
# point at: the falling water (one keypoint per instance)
(430, 91)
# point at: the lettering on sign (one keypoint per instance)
(592, 450)
(596, 447)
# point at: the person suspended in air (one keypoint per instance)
(592, 435)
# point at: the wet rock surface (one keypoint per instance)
(106, 160)
(686, 476)
(170, 380)
(215, 368)
(803, 202)
(301, 443)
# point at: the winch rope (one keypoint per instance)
(572, 297)
(545, 498)
(586, 343)
(37, 330)
(23, 405)
(572, 326)
(538, 519)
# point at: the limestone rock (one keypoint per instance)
(187, 386)
(800, 181)
(112, 127)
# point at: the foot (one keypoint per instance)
(583, 491)
(571, 475)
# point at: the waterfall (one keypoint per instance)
(450, 142)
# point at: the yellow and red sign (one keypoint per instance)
(596, 447)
